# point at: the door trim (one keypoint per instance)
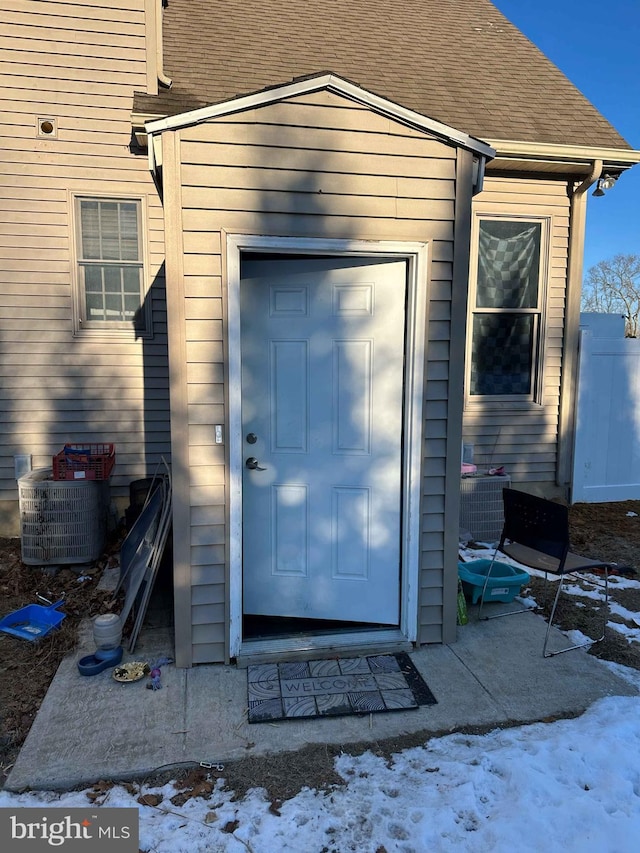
(417, 257)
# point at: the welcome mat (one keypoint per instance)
(331, 688)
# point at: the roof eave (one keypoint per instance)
(333, 83)
(514, 155)
(138, 126)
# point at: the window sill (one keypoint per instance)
(128, 335)
(502, 405)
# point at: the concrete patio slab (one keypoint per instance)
(91, 728)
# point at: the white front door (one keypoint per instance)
(322, 351)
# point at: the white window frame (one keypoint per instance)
(83, 327)
(535, 397)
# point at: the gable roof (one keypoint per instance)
(460, 62)
(331, 83)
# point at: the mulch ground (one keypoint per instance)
(27, 668)
(600, 531)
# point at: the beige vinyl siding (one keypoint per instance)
(315, 166)
(524, 440)
(78, 64)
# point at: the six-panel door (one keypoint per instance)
(322, 346)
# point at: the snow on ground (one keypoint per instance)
(570, 786)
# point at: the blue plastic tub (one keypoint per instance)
(505, 582)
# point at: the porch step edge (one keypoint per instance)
(327, 646)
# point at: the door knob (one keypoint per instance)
(252, 464)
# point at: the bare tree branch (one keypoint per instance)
(613, 287)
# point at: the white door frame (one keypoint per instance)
(416, 255)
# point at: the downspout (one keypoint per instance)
(162, 77)
(569, 381)
(153, 164)
(479, 168)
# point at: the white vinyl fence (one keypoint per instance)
(606, 463)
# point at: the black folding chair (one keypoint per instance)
(536, 535)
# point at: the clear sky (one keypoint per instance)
(596, 43)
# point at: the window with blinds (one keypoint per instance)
(110, 264)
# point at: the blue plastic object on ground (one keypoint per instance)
(33, 621)
(505, 582)
(101, 660)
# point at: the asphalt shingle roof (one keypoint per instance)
(460, 62)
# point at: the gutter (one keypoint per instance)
(162, 77)
(155, 163)
(578, 155)
(138, 121)
(569, 379)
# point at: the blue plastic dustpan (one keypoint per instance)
(33, 621)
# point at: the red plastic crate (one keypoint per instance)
(84, 462)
